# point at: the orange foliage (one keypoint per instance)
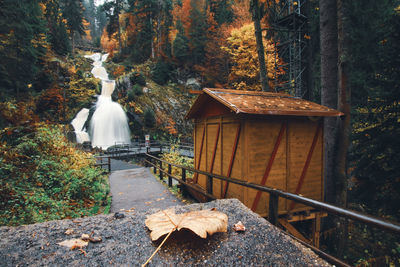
(51, 101)
(86, 26)
(171, 127)
(18, 113)
(109, 44)
(119, 71)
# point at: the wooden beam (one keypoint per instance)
(233, 154)
(306, 164)
(269, 165)
(196, 175)
(215, 149)
(303, 217)
(292, 230)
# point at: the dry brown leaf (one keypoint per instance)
(200, 222)
(69, 231)
(239, 227)
(75, 243)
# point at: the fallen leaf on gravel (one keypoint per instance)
(95, 239)
(75, 243)
(83, 252)
(239, 227)
(69, 231)
(85, 237)
(201, 222)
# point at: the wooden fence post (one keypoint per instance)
(169, 176)
(273, 209)
(154, 167)
(109, 164)
(183, 187)
(209, 184)
(161, 171)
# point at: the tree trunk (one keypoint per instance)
(344, 126)
(257, 16)
(329, 81)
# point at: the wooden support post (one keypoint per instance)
(154, 167)
(109, 164)
(273, 209)
(292, 230)
(169, 176)
(316, 229)
(209, 185)
(183, 187)
(161, 173)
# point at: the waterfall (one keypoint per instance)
(109, 123)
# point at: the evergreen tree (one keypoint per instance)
(180, 46)
(145, 12)
(22, 42)
(72, 11)
(57, 31)
(375, 64)
(222, 10)
(197, 32)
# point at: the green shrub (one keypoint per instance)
(43, 177)
(131, 95)
(137, 89)
(137, 78)
(160, 72)
(149, 118)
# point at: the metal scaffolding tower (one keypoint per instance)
(288, 30)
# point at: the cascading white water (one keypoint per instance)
(109, 123)
(78, 122)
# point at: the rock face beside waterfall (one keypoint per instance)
(170, 104)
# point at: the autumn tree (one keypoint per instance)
(242, 48)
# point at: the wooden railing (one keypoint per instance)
(274, 195)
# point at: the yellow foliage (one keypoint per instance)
(242, 48)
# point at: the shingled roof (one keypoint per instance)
(260, 103)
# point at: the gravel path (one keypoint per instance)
(138, 189)
(126, 242)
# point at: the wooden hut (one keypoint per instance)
(271, 139)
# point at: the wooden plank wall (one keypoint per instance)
(255, 146)
(261, 138)
(301, 134)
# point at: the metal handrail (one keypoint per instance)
(346, 213)
(274, 196)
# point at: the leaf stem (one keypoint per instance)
(159, 247)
